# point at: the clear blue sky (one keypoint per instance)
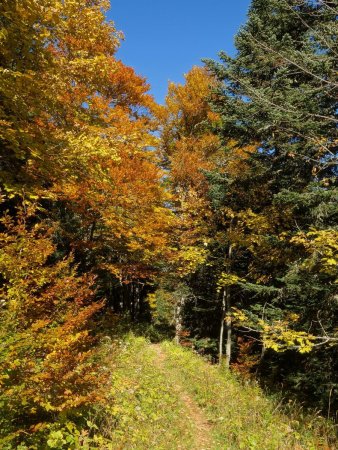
(164, 39)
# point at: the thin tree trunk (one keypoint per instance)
(226, 316)
(132, 298)
(178, 320)
(228, 328)
(92, 230)
(137, 301)
(221, 332)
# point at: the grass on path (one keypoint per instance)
(241, 416)
(164, 397)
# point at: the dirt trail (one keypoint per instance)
(194, 412)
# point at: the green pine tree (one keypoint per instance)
(279, 92)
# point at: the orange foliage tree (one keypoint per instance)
(189, 150)
(77, 136)
(47, 359)
(76, 140)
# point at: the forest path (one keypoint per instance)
(195, 414)
(165, 397)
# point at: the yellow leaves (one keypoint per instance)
(74, 101)
(39, 324)
(189, 258)
(279, 338)
(90, 148)
(152, 301)
(191, 99)
(14, 364)
(257, 223)
(278, 335)
(187, 115)
(228, 279)
(330, 261)
(275, 334)
(238, 315)
(293, 317)
(322, 247)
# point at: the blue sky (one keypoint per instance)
(164, 39)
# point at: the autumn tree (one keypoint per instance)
(76, 141)
(47, 353)
(77, 137)
(188, 148)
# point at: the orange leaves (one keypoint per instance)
(191, 149)
(129, 88)
(189, 160)
(186, 136)
(82, 133)
(236, 161)
(45, 318)
(190, 101)
(247, 360)
(67, 92)
(125, 199)
(84, 31)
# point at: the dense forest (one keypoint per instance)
(210, 220)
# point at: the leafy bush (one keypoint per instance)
(47, 353)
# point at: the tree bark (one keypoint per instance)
(221, 332)
(228, 328)
(178, 320)
(226, 315)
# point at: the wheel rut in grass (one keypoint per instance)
(194, 412)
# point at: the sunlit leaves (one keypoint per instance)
(46, 355)
(322, 248)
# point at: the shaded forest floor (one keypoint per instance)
(166, 397)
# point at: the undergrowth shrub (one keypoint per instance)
(47, 354)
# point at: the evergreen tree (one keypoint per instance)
(280, 92)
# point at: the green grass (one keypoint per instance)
(148, 411)
(165, 397)
(145, 411)
(241, 416)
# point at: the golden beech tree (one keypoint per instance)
(189, 149)
(77, 134)
(66, 100)
(47, 356)
(125, 211)
(76, 140)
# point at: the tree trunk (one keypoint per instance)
(228, 328)
(178, 320)
(92, 230)
(221, 332)
(137, 301)
(226, 316)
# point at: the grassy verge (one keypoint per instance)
(241, 416)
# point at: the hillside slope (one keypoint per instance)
(166, 397)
